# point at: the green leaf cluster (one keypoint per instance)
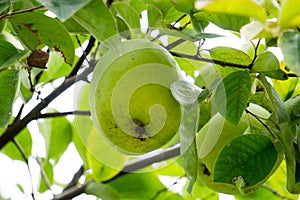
(240, 129)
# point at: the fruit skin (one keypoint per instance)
(131, 103)
(104, 161)
(215, 141)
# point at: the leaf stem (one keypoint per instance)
(24, 156)
(21, 11)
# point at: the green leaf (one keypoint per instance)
(97, 19)
(58, 135)
(254, 162)
(232, 95)
(48, 169)
(223, 20)
(9, 82)
(290, 13)
(286, 88)
(268, 63)
(101, 190)
(127, 13)
(231, 55)
(64, 9)
(74, 27)
(56, 67)
(4, 4)
(246, 8)
(24, 140)
(293, 107)
(33, 29)
(289, 42)
(188, 146)
(185, 6)
(280, 114)
(133, 185)
(185, 93)
(9, 54)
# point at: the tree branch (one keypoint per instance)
(75, 178)
(59, 114)
(136, 165)
(21, 11)
(35, 113)
(83, 57)
(208, 60)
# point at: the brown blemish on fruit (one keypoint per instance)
(140, 129)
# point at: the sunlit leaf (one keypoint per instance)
(286, 88)
(33, 29)
(97, 19)
(268, 63)
(9, 81)
(64, 9)
(290, 13)
(231, 55)
(127, 13)
(242, 7)
(58, 134)
(224, 20)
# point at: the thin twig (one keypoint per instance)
(82, 57)
(174, 44)
(208, 60)
(60, 114)
(44, 175)
(260, 121)
(21, 11)
(72, 192)
(24, 156)
(275, 192)
(75, 178)
(255, 54)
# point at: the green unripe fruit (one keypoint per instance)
(218, 133)
(211, 139)
(131, 102)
